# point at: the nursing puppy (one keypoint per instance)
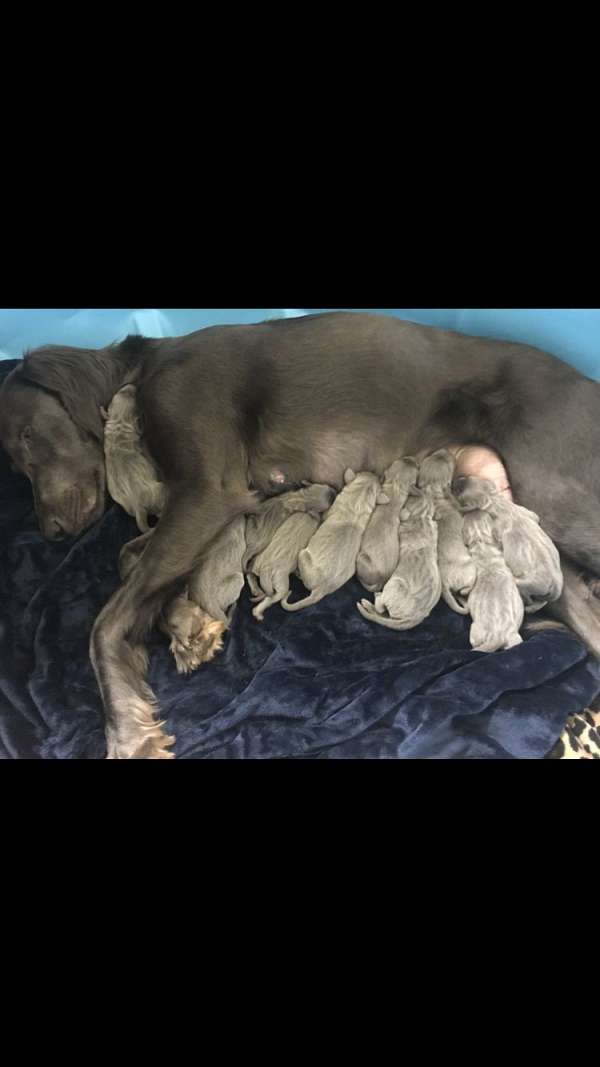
(217, 581)
(494, 602)
(131, 476)
(379, 548)
(436, 473)
(269, 575)
(329, 560)
(272, 513)
(457, 570)
(415, 586)
(529, 553)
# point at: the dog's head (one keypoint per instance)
(51, 427)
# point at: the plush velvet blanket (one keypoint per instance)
(320, 684)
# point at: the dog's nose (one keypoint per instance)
(459, 483)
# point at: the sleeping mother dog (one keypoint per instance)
(223, 407)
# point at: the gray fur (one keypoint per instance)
(310, 396)
(494, 602)
(329, 560)
(436, 473)
(273, 566)
(415, 586)
(217, 581)
(529, 553)
(379, 548)
(457, 570)
(131, 476)
(272, 513)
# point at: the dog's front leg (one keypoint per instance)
(190, 520)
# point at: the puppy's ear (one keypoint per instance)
(382, 498)
(349, 475)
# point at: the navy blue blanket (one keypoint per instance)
(320, 684)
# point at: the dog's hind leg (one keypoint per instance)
(577, 608)
(190, 521)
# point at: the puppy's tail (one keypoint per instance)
(453, 603)
(316, 595)
(368, 611)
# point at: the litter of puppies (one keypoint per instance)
(419, 533)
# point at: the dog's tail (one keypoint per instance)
(316, 595)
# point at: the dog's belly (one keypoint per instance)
(323, 460)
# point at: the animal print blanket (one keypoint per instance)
(322, 684)
(580, 738)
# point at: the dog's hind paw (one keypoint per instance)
(195, 636)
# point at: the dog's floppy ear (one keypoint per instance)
(83, 379)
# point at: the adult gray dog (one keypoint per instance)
(226, 406)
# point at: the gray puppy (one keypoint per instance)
(530, 555)
(457, 569)
(494, 602)
(415, 586)
(436, 473)
(329, 560)
(272, 513)
(131, 475)
(217, 581)
(273, 566)
(379, 548)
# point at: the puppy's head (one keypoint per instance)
(473, 493)
(437, 471)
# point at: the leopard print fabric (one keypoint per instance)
(580, 738)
